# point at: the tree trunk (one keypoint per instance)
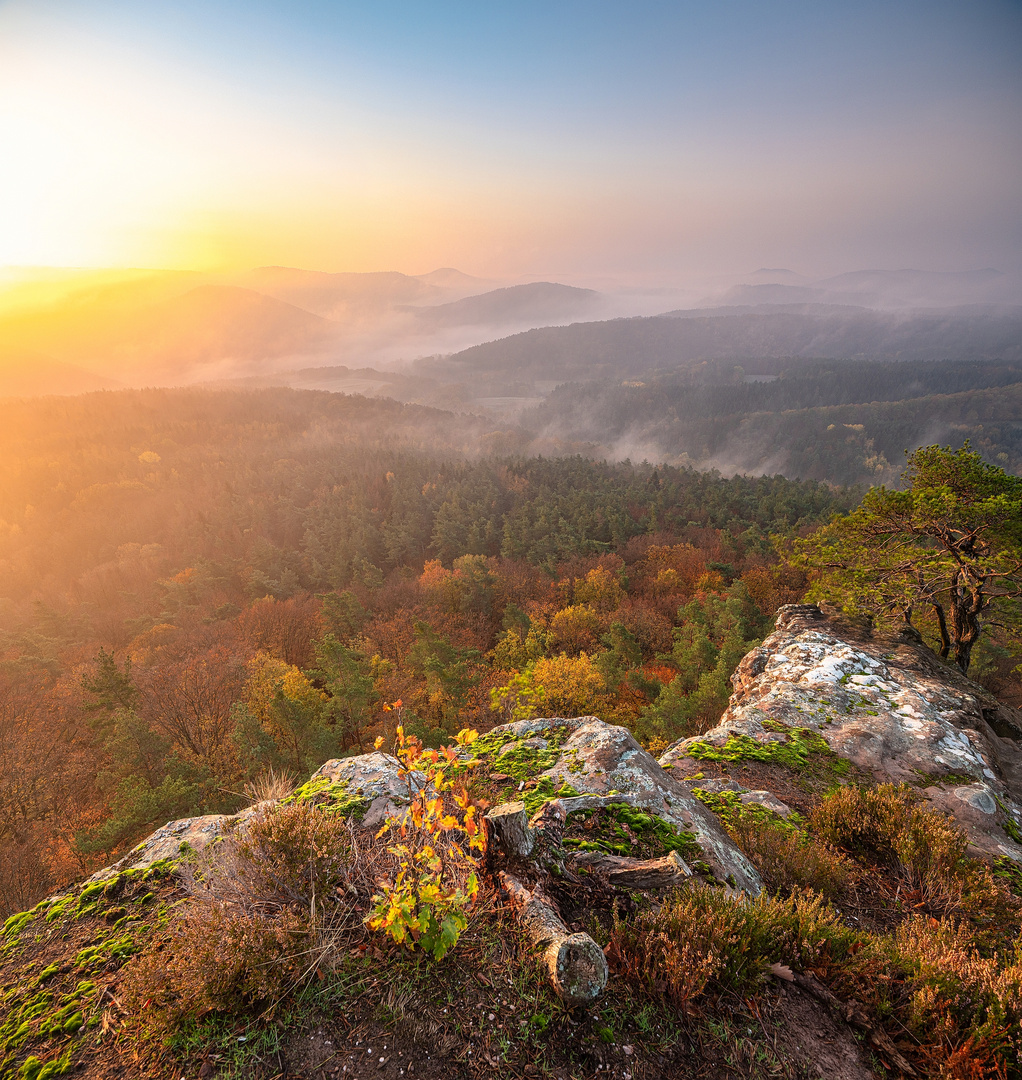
(646, 874)
(945, 638)
(574, 963)
(511, 832)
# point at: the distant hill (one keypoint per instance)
(453, 280)
(624, 347)
(27, 374)
(841, 421)
(885, 289)
(172, 338)
(536, 301)
(341, 296)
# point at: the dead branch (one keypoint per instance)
(574, 963)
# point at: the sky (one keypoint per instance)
(637, 142)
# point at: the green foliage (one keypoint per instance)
(110, 687)
(713, 635)
(138, 805)
(436, 882)
(948, 549)
(449, 673)
(343, 672)
(344, 615)
(520, 698)
(623, 654)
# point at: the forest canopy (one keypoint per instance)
(201, 586)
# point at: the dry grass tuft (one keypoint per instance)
(270, 786)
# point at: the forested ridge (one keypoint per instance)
(198, 586)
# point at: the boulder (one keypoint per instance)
(605, 760)
(374, 777)
(177, 838)
(886, 704)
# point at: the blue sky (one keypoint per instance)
(641, 140)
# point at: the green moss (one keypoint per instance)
(91, 891)
(34, 1069)
(728, 806)
(16, 923)
(520, 762)
(23, 1012)
(47, 973)
(950, 779)
(622, 829)
(545, 792)
(333, 796)
(802, 750)
(1010, 872)
(96, 956)
(59, 907)
(65, 1021)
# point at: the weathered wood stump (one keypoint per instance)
(511, 832)
(647, 874)
(574, 963)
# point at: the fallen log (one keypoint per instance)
(624, 873)
(575, 964)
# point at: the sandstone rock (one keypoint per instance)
(597, 759)
(605, 760)
(377, 778)
(174, 839)
(887, 704)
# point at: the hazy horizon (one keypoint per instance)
(643, 148)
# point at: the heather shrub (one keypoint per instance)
(787, 859)
(887, 826)
(954, 990)
(216, 958)
(270, 904)
(296, 856)
(708, 940)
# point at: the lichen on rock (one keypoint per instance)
(884, 704)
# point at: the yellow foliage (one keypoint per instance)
(600, 589)
(576, 628)
(428, 902)
(573, 684)
(269, 676)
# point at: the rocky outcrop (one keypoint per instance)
(885, 704)
(178, 838)
(605, 760)
(586, 758)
